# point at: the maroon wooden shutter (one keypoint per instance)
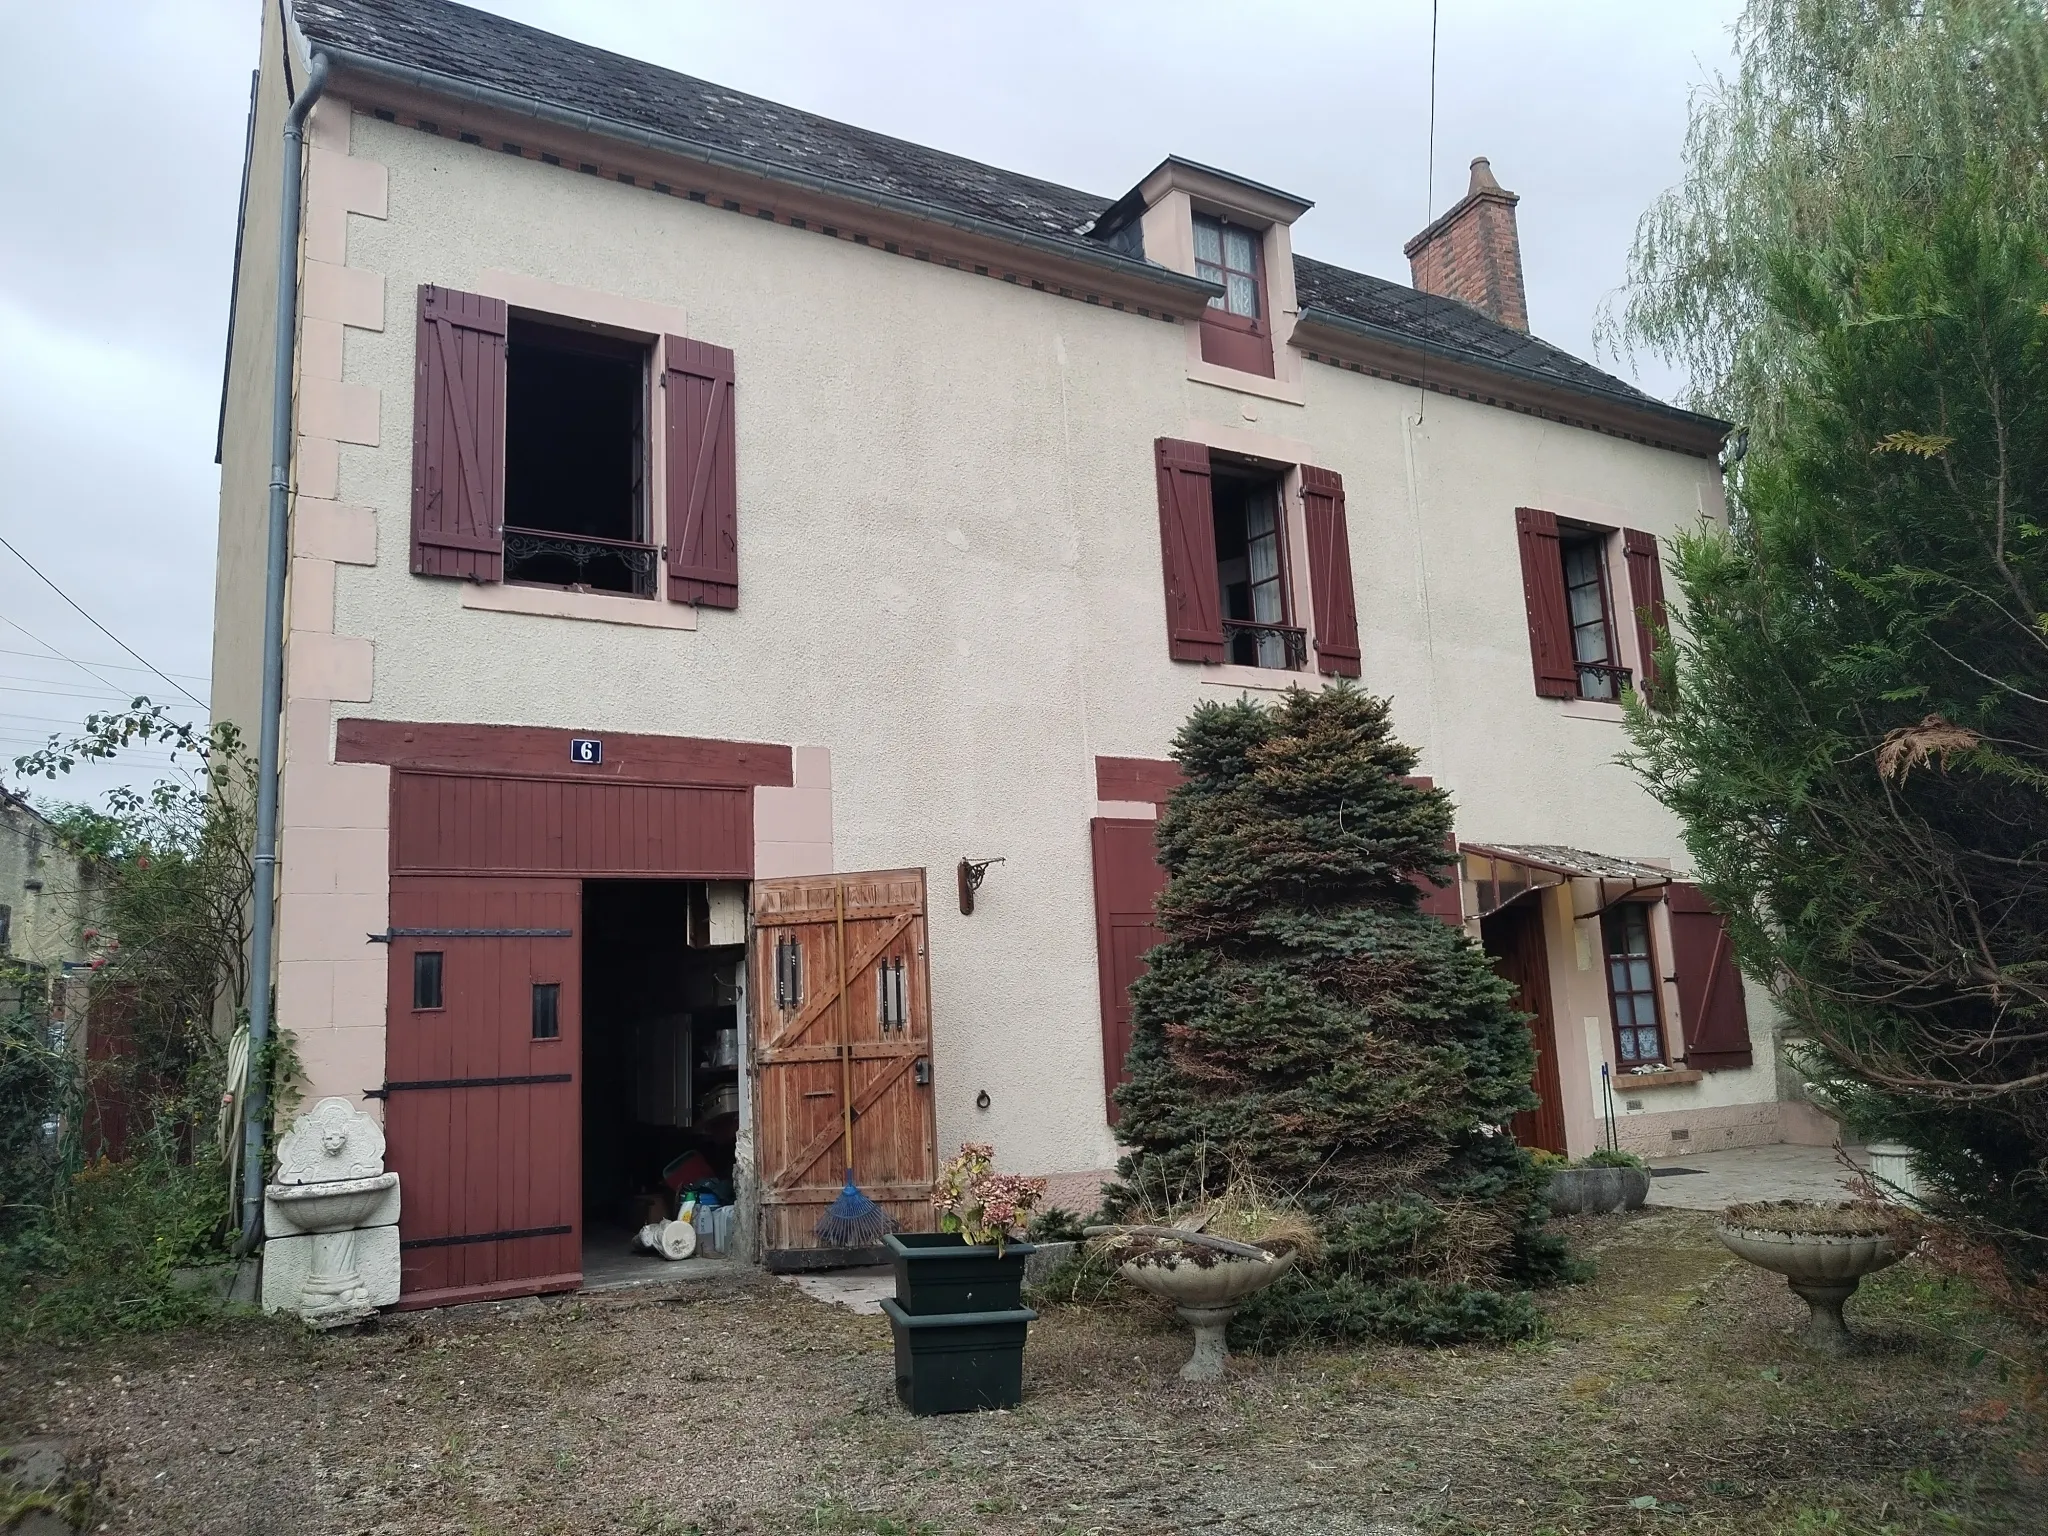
(1187, 543)
(1710, 1006)
(1550, 626)
(1128, 879)
(703, 480)
(458, 436)
(1646, 598)
(1329, 572)
(1443, 902)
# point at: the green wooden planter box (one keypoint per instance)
(941, 1272)
(959, 1362)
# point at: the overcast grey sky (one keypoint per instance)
(124, 120)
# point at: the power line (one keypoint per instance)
(96, 624)
(73, 660)
(111, 666)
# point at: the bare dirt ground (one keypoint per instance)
(1671, 1395)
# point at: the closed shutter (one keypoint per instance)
(1187, 546)
(1128, 880)
(1646, 599)
(1329, 572)
(1710, 1005)
(703, 480)
(458, 436)
(1443, 902)
(1550, 629)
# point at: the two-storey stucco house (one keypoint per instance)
(747, 573)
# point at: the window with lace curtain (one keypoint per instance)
(1234, 329)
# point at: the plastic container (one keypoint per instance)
(959, 1362)
(938, 1272)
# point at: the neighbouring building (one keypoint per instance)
(748, 571)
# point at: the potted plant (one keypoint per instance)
(1600, 1182)
(972, 1263)
(957, 1317)
(1822, 1250)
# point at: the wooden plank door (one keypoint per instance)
(841, 990)
(1514, 938)
(482, 1108)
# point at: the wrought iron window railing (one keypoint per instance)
(1600, 680)
(1250, 644)
(575, 560)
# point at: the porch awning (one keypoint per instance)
(1503, 873)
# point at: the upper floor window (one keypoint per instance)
(1591, 612)
(1234, 329)
(576, 511)
(1251, 572)
(1229, 254)
(534, 443)
(1632, 984)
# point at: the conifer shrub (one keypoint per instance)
(1307, 1025)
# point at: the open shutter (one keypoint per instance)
(1646, 599)
(703, 482)
(1550, 629)
(1187, 544)
(1710, 1005)
(1329, 572)
(458, 436)
(1443, 902)
(1128, 880)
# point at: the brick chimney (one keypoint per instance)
(1473, 252)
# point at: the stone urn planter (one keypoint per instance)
(1596, 1191)
(1204, 1277)
(1822, 1250)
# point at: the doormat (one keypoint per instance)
(1672, 1173)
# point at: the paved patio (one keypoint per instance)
(1719, 1179)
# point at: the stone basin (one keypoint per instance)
(1205, 1297)
(334, 1205)
(1822, 1268)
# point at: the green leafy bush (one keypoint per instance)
(1306, 1025)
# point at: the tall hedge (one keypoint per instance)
(1306, 1024)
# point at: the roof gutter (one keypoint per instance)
(263, 899)
(1197, 291)
(1711, 429)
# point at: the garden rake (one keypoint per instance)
(852, 1220)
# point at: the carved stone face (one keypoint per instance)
(333, 1140)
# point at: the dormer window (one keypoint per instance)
(1229, 254)
(1234, 329)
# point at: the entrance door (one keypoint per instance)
(481, 1108)
(1514, 938)
(841, 1003)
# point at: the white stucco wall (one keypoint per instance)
(950, 580)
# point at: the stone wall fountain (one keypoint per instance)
(331, 1219)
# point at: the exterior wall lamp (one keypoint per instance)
(971, 873)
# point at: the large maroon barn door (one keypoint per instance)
(841, 999)
(482, 1115)
(1514, 939)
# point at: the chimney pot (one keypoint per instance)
(1473, 252)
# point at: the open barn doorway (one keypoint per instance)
(664, 966)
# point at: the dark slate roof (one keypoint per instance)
(476, 47)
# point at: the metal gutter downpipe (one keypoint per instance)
(263, 900)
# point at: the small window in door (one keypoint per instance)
(789, 974)
(1251, 572)
(576, 461)
(426, 980)
(894, 1002)
(547, 1010)
(1632, 984)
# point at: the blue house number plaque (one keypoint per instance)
(585, 749)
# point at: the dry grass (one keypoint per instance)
(1807, 1218)
(1672, 1395)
